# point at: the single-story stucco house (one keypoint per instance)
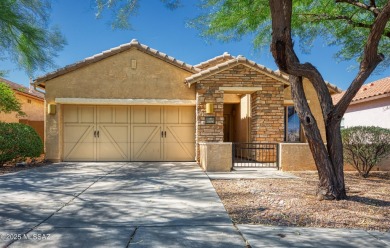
(134, 103)
(32, 103)
(369, 107)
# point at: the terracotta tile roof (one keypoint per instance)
(23, 89)
(100, 56)
(231, 63)
(214, 61)
(379, 88)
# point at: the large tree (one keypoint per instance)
(359, 28)
(371, 22)
(25, 35)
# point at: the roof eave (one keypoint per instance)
(231, 63)
(370, 98)
(134, 44)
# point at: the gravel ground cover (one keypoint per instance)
(292, 202)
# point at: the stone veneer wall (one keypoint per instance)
(268, 114)
(267, 105)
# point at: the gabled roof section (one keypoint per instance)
(234, 62)
(333, 89)
(370, 91)
(134, 44)
(214, 61)
(22, 89)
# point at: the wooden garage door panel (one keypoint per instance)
(179, 115)
(79, 151)
(146, 115)
(138, 133)
(179, 152)
(147, 152)
(113, 142)
(187, 115)
(86, 114)
(146, 142)
(179, 143)
(113, 133)
(71, 114)
(75, 133)
(146, 133)
(112, 152)
(79, 143)
(180, 133)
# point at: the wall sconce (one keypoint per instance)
(51, 109)
(209, 108)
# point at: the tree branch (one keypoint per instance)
(286, 59)
(348, 19)
(370, 60)
(364, 6)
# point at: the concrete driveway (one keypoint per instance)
(113, 205)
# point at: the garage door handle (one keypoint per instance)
(94, 134)
(165, 134)
(162, 134)
(98, 133)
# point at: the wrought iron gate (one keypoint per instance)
(261, 155)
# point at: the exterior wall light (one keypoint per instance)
(209, 108)
(51, 109)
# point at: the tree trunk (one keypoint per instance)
(331, 180)
(329, 158)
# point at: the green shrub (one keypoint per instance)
(364, 147)
(18, 141)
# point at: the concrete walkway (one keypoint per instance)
(250, 173)
(273, 236)
(139, 205)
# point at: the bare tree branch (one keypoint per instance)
(371, 7)
(288, 62)
(372, 3)
(348, 19)
(370, 60)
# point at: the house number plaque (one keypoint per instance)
(210, 119)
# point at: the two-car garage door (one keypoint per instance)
(129, 133)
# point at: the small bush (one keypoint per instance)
(364, 147)
(18, 141)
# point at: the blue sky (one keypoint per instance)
(166, 31)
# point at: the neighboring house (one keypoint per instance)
(370, 106)
(32, 103)
(134, 103)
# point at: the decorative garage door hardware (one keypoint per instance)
(96, 134)
(128, 133)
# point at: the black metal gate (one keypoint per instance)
(261, 155)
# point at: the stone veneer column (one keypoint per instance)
(267, 124)
(208, 93)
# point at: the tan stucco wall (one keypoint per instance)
(314, 104)
(216, 157)
(114, 78)
(297, 157)
(242, 120)
(33, 110)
